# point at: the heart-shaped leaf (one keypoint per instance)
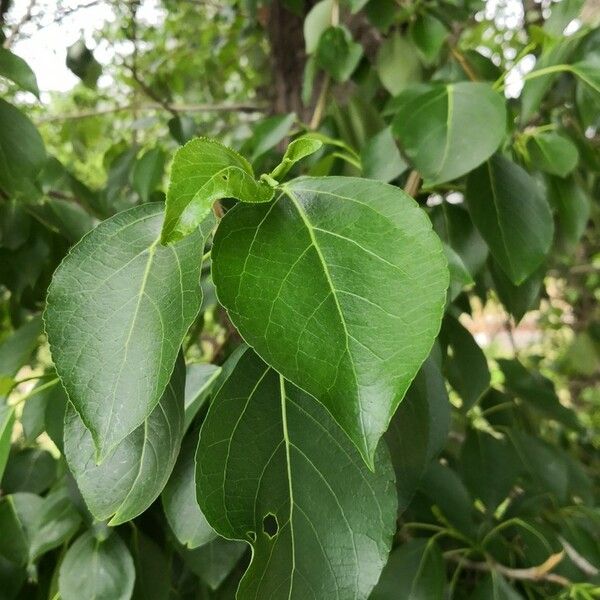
(299, 276)
(316, 517)
(122, 301)
(448, 130)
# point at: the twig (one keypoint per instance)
(412, 183)
(17, 27)
(464, 63)
(233, 107)
(539, 573)
(317, 115)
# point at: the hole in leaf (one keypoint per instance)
(270, 525)
(224, 177)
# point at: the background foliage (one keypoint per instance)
(487, 114)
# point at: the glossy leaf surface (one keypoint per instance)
(297, 276)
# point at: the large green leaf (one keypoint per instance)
(179, 499)
(99, 569)
(512, 216)
(13, 67)
(448, 130)
(319, 522)
(122, 300)
(134, 473)
(418, 430)
(298, 276)
(415, 571)
(22, 152)
(203, 172)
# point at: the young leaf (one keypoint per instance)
(415, 570)
(13, 67)
(179, 500)
(137, 469)
(123, 299)
(297, 276)
(448, 130)
(512, 216)
(22, 152)
(553, 153)
(203, 172)
(418, 430)
(99, 569)
(297, 150)
(337, 53)
(316, 517)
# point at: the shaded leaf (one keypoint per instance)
(29, 470)
(301, 495)
(572, 207)
(553, 153)
(397, 64)
(337, 53)
(152, 569)
(148, 173)
(134, 473)
(18, 71)
(381, 158)
(99, 569)
(199, 382)
(7, 420)
(512, 216)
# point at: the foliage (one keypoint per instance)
(259, 374)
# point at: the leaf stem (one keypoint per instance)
(36, 391)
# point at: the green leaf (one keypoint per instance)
(414, 571)
(512, 216)
(517, 299)
(298, 149)
(81, 61)
(148, 173)
(489, 467)
(179, 500)
(13, 67)
(122, 298)
(29, 470)
(97, 569)
(214, 561)
(562, 13)
(536, 88)
(381, 158)
(316, 22)
(397, 64)
(537, 391)
(16, 348)
(33, 417)
(572, 206)
(203, 172)
(7, 420)
(32, 526)
(337, 53)
(12, 578)
(199, 382)
(428, 35)
(466, 369)
(138, 468)
(459, 274)
(589, 73)
(317, 519)
(22, 152)
(266, 134)
(355, 5)
(450, 129)
(152, 569)
(553, 153)
(297, 276)
(418, 430)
